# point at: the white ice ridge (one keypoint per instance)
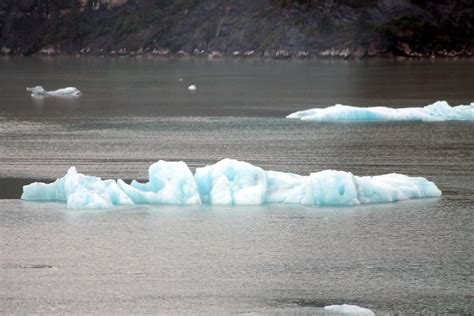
(39, 91)
(350, 310)
(438, 111)
(229, 182)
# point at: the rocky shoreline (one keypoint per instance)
(239, 29)
(335, 53)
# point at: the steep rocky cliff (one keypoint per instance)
(275, 28)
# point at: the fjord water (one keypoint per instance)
(411, 257)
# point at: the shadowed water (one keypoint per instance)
(412, 257)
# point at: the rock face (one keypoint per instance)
(245, 28)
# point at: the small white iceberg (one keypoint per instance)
(438, 111)
(192, 87)
(39, 91)
(350, 310)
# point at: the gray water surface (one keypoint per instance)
(412, 257)
(142, 87)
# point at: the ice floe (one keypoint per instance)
(347, 309)
(229, 182)
(39, 91)
(438, 111)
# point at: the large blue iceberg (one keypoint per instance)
(229, 182)
(438, 111)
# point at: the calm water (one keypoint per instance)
(410, 257)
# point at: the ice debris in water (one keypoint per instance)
(438, 111)
(350, 310)
(192, 87)
(39, 91)
(229, 182)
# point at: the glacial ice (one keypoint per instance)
(350, 310)
(229, 182)
(438, 111)
(79, 191)
(39, 91)
(171, 182)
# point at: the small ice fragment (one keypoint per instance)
(39, 91)
(192, 87)
(350, 310)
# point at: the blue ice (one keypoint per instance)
(229, 182)
(438, 111)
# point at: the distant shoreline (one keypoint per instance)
(213, 55)
(275, 29)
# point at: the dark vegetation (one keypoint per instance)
(278, 28)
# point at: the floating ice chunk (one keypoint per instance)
(393, 187)
(39, 91)
(331, 187)
(230, 182)
(170, 183)
(350, 310)
(79, 191)
(38, 191)
(192, 87)
(438, 111)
